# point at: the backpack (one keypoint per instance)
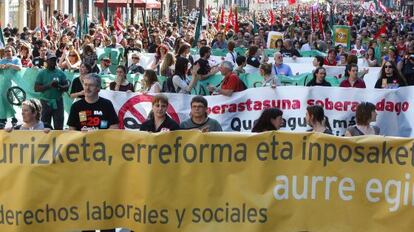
(168, 86)
(244, 87)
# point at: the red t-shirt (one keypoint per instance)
(358, 84)
(232, 81)
(326, 62)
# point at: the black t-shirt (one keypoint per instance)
(253, 61)
(98, 115)
(204, 66)
(290, 52)
(167, 125)
(39, 62)
(76, 87)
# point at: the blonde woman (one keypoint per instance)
(167, 69)
(70, 60)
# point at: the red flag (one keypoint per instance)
(297, 17)
(208, 12)
(312, 19)
(271, 17)
(218, 21)
(320, 19)
(102, 20)
(51, 25)
(291, 2)
(119, 27)
(350, 15)
(236, 23)
(382, 30)
(229, 19)
(222, 15)
(42, 27)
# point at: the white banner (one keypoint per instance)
(238, 112)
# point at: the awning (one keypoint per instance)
(148, 4)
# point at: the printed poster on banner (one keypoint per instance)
(272, 37)
(342, 36)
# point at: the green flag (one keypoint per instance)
(2, 44)
(255, 27)
(198, 29)
(79, 28)
(85, 26)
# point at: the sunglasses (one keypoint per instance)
(388, 66)
(135, 58)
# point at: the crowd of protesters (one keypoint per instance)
(381, 40)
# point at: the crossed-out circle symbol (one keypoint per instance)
(129, 106)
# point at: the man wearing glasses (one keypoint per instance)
(199, 118)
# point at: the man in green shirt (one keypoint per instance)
(52, 82)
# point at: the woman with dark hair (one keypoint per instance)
(370, 57)
(150, 82)
(279, 45)
(180, 81)
(390, 77)
(270, 119)
(184, 51)
(76, 91)
(330, 60)
(365, 114)
(253, 57)
(319, 78)
(89, 57)
(315, 118)
(317, 61)
(121, 83)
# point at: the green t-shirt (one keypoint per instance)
(45, 77)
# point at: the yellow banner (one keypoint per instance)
(190, 181)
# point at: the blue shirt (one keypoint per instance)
(283, 69)
(13, 60)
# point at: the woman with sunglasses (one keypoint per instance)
(70, 60)
(390, 77)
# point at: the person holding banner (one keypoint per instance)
(319, 78)
(199, 117)
(92, 112)
(351, 71)
(270, 120)
(31, 111)
(365, 114)
(315, 118)
(158, 120)
(390, 77)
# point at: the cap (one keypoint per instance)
(51, 56)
